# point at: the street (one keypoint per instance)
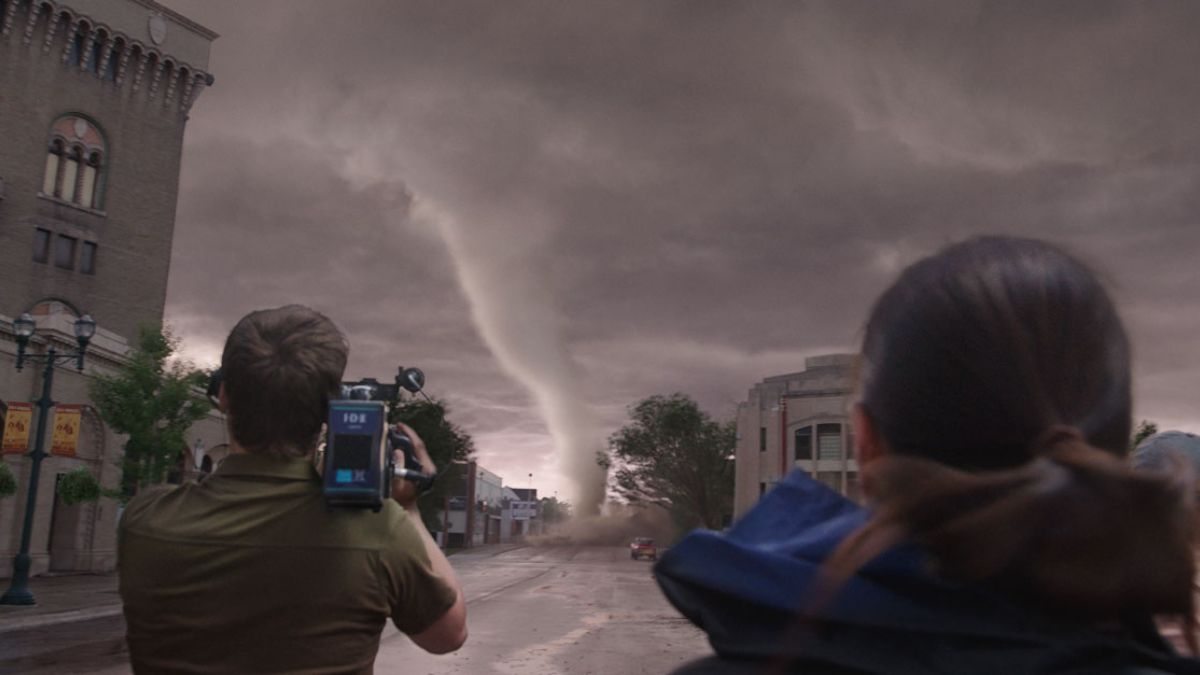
(550, 611)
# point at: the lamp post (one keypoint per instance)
(85, 327)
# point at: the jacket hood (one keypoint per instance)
(752, 590)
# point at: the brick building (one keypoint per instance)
(94, 98)
(797, 421)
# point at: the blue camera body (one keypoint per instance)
(358, 462)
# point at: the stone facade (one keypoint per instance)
(94, 98)
(139, 115)
(797, 421)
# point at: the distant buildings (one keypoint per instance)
(797, 421)
(480, 510)
(94, 98)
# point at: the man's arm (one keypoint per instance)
(449, 632)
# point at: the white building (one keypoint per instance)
(797, 421)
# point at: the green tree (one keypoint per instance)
(153, 401)
(1145, 429)
(446, 442)
(672, 454)
(8, 482)
(552, 511)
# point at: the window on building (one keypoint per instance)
(75, 162)
(804, 444)
(54, 162)
(762, 439)
(87, 187)
(853, 488)
(64, 252)
(70, 175)
(41, 245)
(762, 489)
(87, 258)
(75, 51)
(832, 479)
(829, 441)
(114, 60)
(97, 54)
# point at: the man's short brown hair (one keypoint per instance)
(280, 368)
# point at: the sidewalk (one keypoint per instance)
(75, 626)
(63, 599)
(83, 597)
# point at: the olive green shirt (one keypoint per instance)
(247, 571)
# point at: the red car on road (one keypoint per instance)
(643, 547)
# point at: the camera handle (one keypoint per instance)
(411, 469)
(424, 481)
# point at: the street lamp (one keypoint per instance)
(24, 327)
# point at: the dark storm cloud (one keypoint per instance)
(662, 196)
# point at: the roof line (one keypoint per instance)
(206, 32)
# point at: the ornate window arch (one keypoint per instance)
(96, 45)
(112, 61)
(77, 44)
(75, 162)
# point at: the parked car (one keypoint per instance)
(643, 547)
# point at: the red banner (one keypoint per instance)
(17, 424)
(66, 429)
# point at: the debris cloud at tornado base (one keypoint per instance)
(618, 525)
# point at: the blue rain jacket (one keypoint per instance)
(745, 588)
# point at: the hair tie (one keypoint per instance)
(1054, 436)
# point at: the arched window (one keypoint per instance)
(75, 53)
(97, 55)
(151, 70)
(75, 162)
(44, 18)
(53, 163)
(114, 60)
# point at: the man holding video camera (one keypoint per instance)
(249, 570)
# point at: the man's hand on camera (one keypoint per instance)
(403, 491)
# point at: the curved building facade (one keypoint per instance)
(797, 421)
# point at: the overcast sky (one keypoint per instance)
(558, 208)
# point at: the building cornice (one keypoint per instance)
(183, 20)
(182, 82)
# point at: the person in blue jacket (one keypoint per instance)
(1006, 531)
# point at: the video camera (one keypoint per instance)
(359, 455)
(359, 444)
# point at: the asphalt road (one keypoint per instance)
(552, 611)
(547, 611)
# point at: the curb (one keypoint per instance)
(56, 618)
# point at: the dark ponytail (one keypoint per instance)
(997, 374)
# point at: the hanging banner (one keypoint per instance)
(17, 423)
(66, 430)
